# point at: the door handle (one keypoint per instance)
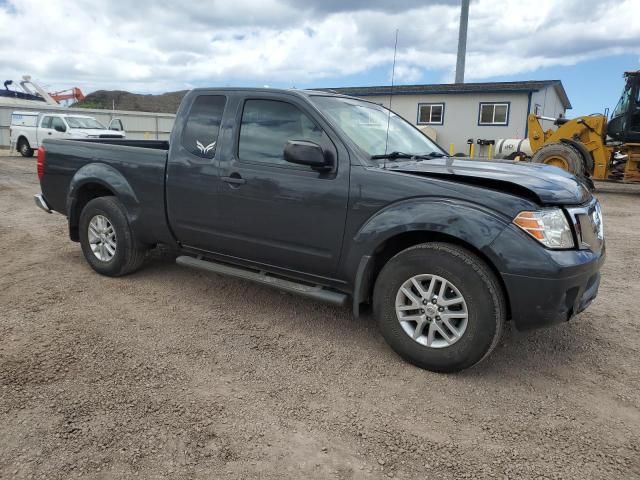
(49, 133)
(234, 179)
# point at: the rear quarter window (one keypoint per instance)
(200, 134)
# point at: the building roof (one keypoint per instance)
(444, 88)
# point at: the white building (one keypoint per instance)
(456, 113)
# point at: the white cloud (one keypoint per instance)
(153, 46)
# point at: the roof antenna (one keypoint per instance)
(393, 73)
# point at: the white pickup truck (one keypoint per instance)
(28, 129)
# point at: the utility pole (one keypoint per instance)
(462, 41)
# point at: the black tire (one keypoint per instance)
(561, 155)
(129, 254)
(24, 148)
(476, 283)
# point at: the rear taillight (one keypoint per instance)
(41, 159)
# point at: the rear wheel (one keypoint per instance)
(439, 307)
(561, 155)
(107, 241)
(24, 148)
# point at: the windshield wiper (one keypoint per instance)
(396, 155)
(427, 156)
(391, 155)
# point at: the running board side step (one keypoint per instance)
(312, 291)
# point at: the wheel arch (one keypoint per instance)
(371, 265)
(94, 181)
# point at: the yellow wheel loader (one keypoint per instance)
(591, 146)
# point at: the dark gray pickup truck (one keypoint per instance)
(338, 199)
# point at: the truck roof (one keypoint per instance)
(294, 91)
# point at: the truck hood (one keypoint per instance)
(543, 184)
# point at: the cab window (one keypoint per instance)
(46, 122)
(623, 103)
(58, 125)
(267, 125)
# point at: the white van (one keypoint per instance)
(28, 129)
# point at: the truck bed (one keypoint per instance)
(136, 166)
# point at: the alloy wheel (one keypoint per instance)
(102, 238)
(432, 311)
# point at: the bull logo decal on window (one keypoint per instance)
(205, 150)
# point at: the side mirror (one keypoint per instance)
(302, 152)
(60, 128)
(116, 124)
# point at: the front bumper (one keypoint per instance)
(545, 286)
(541, 301)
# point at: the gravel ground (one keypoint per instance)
(172, 373)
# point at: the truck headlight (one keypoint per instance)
(548, 226)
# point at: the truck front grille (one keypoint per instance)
(588, 225)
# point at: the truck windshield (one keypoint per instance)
(84, 122)
(366, 124)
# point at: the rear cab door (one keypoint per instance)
(193, 177)
(44, 130)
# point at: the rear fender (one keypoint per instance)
(110, 179)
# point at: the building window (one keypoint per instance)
(493, 114)
(430, 113)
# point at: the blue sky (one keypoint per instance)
(166, 46)
(591, 85)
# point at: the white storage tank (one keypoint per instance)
(510, 147)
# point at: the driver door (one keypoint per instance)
(58, 128)
(274, 212)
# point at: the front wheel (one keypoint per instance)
(107, 241)
(439, 307)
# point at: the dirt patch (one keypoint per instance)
(171, 373)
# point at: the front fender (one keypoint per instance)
(467, 222)
(109, 178)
